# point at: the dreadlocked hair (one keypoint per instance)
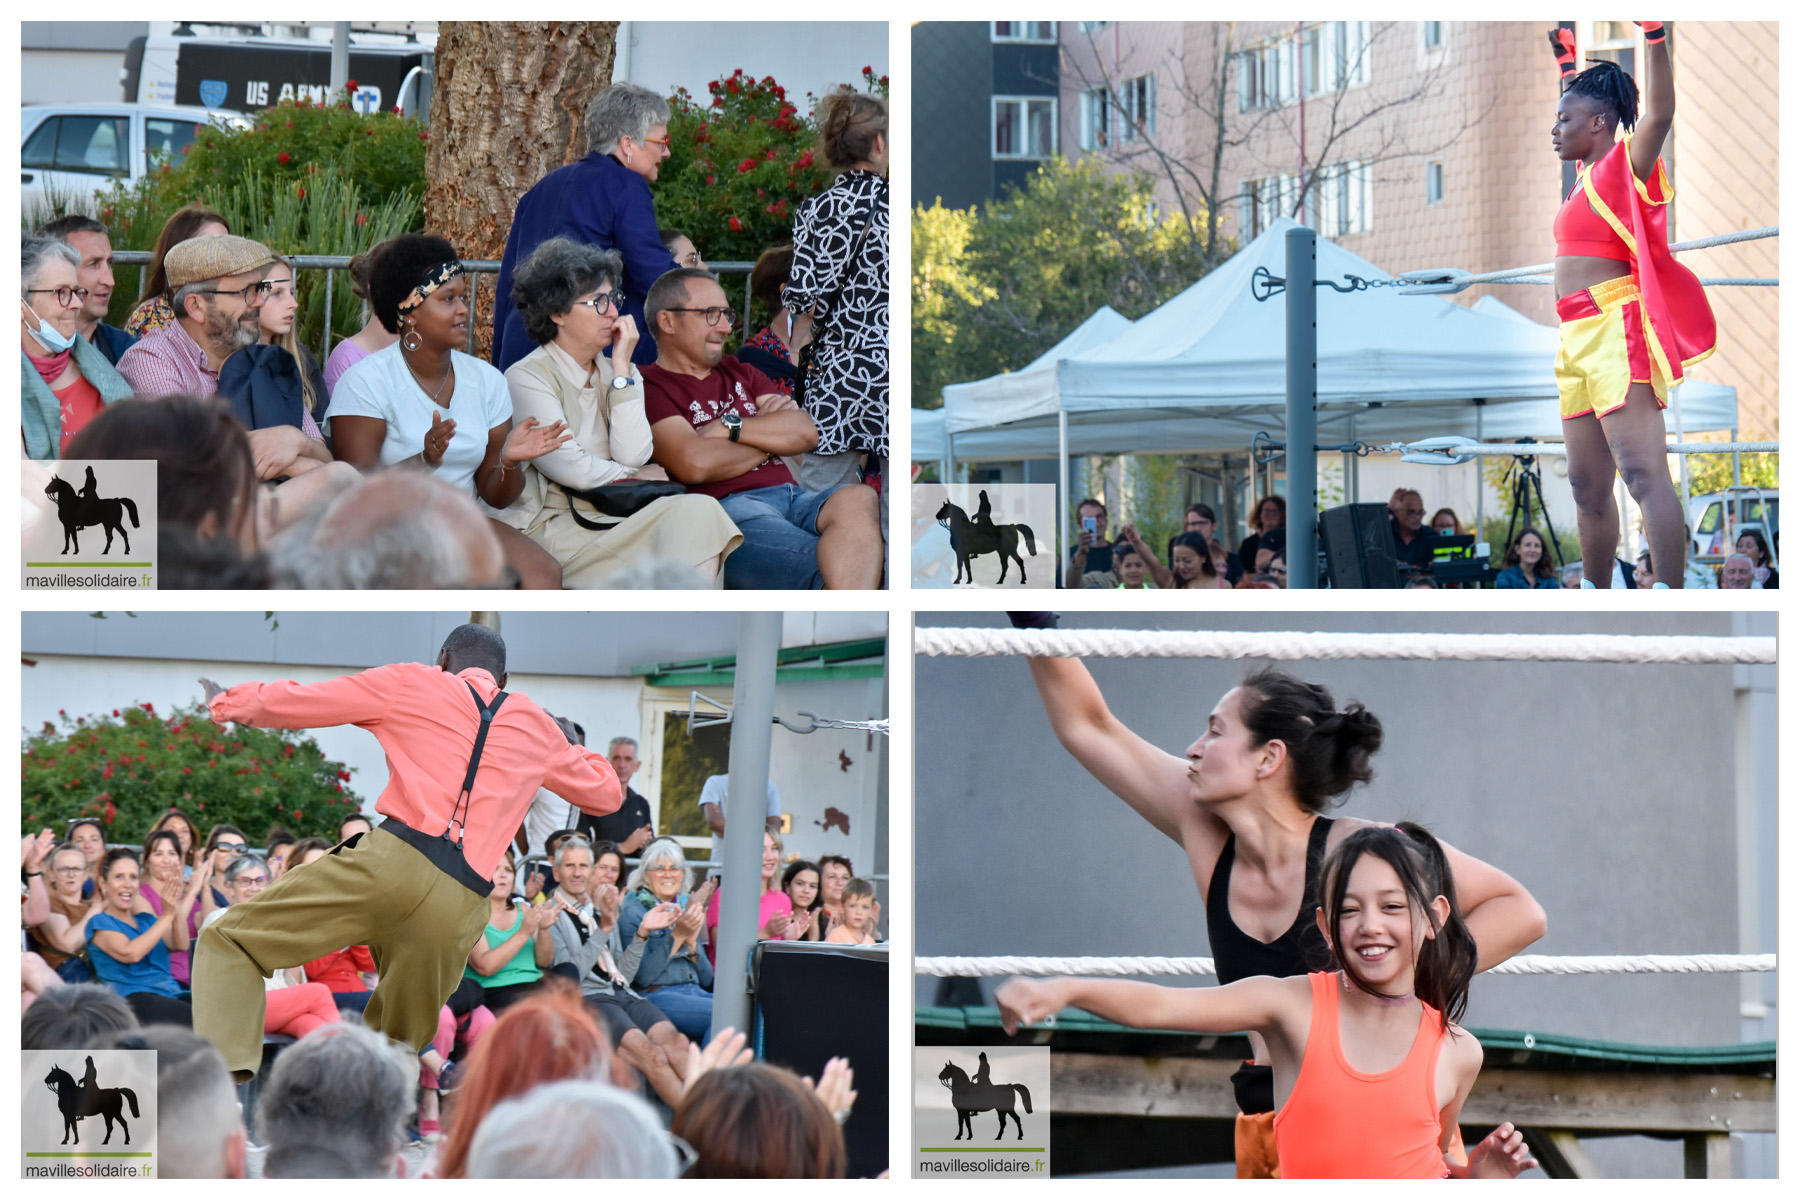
(1608, 85)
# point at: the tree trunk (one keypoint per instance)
(506, 110)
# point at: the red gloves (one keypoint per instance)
(1562, 44)
(1653, 31)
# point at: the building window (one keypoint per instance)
(1434, 183)
(1096, 119)
(1266, 74)
(1093, 26)
(1138, 99)
(1024, 31)
(1434, 34)
(1334, 55)
(1340, 204)
(1024, 127)
(1262, 201)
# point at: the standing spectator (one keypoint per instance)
(129, 944)
(580, 375)
(549, 814)
(1737, 572)
(1527, 563)
(61, 935)
(712, 807)
(292, 1004)
(572, 1129)
(161, 888)
(771, 349)
(216, 291)
(762, 1122)
(373, 335)
(632, 827)
(861, 915)
(1271, 514)
(509, 960)
(838, 289)
(800, 882)
(1201, 519)
(67, 380)
(153, 311)
(672, 972)
(336, 1106)
(1406, 517)
(835, 872)
(89, 836)
(1752, 545)
(199, 1132)
(425, 405)
(720, 427)
(1093, 549)
(681, 247)
(1190, 564)
(93, 242)
(603, 200)
(1133, 571)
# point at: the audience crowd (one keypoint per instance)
(610, 442)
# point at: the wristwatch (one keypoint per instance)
(733, 422)
(621, 382)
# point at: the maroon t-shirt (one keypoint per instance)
(730, 386)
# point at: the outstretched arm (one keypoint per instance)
(1659, 101)
(1259, 1004)
(360, 699)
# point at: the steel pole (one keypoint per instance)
(746, 792)
(1062, 484)
(1302, 409)
(340, 59)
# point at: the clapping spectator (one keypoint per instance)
(128, 944)
(759, 1121)
(1528, 565)
(773, 908)
(861, 915)
(161, 888)
(835, 872)
(801, 884)
(672, 972)
(183, 827)
(509, 960)
(335, 1107)
(281, 846)
(60, 934)
(1752, 545)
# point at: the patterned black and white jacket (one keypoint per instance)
(847, 397)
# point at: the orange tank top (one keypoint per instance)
(1341, 1123)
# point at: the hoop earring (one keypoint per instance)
(411, 342)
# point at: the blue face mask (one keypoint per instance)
(46, 333)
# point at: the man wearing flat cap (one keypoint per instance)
(215, 289)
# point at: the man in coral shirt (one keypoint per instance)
(465, 759)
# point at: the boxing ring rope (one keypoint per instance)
(1442, 647)
(1521, 964)
(1436, 281)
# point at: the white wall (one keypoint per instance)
(803, 56)
(70, 76)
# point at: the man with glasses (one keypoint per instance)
(1412, 547)
(216, 289)
(722, 427)
(93, 241)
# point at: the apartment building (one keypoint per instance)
(986, 95)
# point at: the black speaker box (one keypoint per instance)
(1359, 546)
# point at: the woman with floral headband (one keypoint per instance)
(423, 404)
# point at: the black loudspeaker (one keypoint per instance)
(1359, 546)
(816, 1001)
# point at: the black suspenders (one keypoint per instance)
(459, 815)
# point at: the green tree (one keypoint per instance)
(996, 288)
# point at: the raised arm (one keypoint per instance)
(360, 699)
(1261, 1004)
(1501, 914)
(1659, 101)
(1163, 577)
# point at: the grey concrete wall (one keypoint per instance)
(1608, 790)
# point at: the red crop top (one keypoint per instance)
(1581, 231)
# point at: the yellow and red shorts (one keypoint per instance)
(1605, 348)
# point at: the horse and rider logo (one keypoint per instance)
(78, 1101)
(971, 537)
(80, 510)
(971, 1095)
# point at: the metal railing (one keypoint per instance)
(331, 264)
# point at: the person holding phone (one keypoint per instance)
(1093, 551)
(581, 374)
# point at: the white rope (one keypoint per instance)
(1444, 280)
(1523, 964)
(1292, 646)
(1449, 451)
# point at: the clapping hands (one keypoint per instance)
(529, 440)
(834, 1088)
(1502, 1154)
(36, 848)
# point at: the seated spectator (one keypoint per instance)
(1271, 514)
(67, 380)
(128, 944)
(308, 850)
(771, 349)
(396, 529)
(215, 289)
(603, 200)
(1258, 582)
(67, 1018)
(720, 427)
(161, 888)
(281, 844)
(1738, 572)
(1444, 521)
(1646, 571)
(509, 960)
(773, 909)
(372, 336)
(585, 934)
(1132, 571)
(351, 825)
(153, 311)
(224, 842)
(1277, 569)
(88, 835)
(276, 384)
(1424, 582)
(861, 915)
(1571, 575)
(760, 1121)
(1406, 517)
(800, 883)
(567, 294)
(671, 972)
(183, 827)
(1752, 545)
(572, 1129)
(292, 1004)
(93, 242)
(425, 405)
(1200, 519)
(62, 935)
(199, 1131)
(335, 1106)
(1527, 563)
(682, 249)
(835, 872)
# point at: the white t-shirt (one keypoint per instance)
(381, 385)
(548, 813)
(713, 792)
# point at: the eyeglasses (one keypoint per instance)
(1413, 512)
(68, 297)
(233, 847)
(692, 259)
(661, 141)
(602, 302)
(69, 870)
(685, 1154)
(664, 867)
(247, 880)
(712, 315)
(243, 293)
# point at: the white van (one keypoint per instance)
(73, 151)
(1716, 517)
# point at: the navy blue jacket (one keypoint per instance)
(602, 203)
(112, 342)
